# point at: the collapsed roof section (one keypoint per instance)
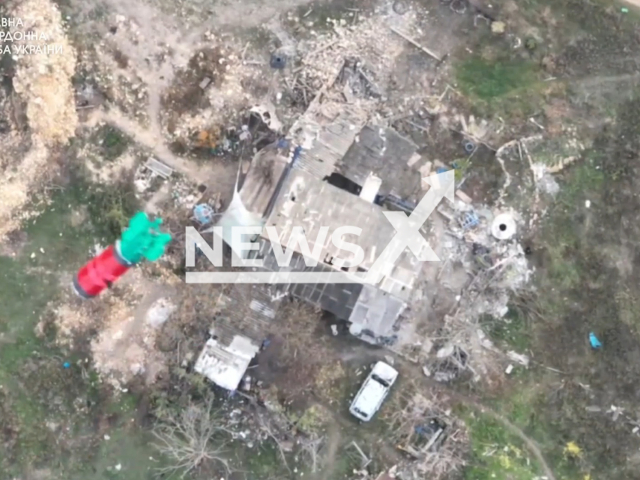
(242, 318)
(307, 203)
(384, 153)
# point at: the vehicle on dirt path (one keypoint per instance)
(373, 391)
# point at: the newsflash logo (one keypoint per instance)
(407, 228)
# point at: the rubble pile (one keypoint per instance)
(484, 242)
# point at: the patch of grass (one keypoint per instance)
(111, 208)
(512, 330)
(503, 86)
(496, 453)
(131, 450)
(583, 181)
(58, 243)
(23, 296)
(51, 412)
(263, 462)
(112, 142)
(313, 420)
(489, 80)
(527, 408)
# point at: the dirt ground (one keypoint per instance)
(546, 90)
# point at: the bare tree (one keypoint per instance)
(191, 438)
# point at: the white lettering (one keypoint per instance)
(43, 37)
(18, 36)
(297, 238)
(339, 242)
(20, 49)
(51, 49)
(6, 49)
(194, 239)
(239, 247)
(11, 22)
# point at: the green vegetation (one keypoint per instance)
(48, 414)
(502, 86)
(111, 142)
(512, 331)
(489, 80)
(497, 454)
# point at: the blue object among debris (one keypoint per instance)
(296, 155)
(593, 340)
(469, 146)
(469, 220)
(204, 213)
(282, 143)
(66, 365)
(440, 170)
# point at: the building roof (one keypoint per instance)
(262, 180)
(311, 204)
(241, 321)
(384, 153)
(225, 365)
(306, 202)
(374, 315)
(325, 131)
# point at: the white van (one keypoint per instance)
(373, 391)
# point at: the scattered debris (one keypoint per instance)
(204, 214)
(425, 430)
(400, 7)
(267, 114)
(464, 197)
(416, 44)
(158, 168)
(519, 358)
(498, 27)
(206, 81)
(593, 340)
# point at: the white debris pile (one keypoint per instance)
(485, 242)
(159, 312)
(371, 41)
(185, 194)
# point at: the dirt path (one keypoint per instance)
(333, 443)
(217, 174)
(531, 445)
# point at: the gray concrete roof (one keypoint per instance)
(306, 202)
(385, 153)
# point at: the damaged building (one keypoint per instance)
(333, 174)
